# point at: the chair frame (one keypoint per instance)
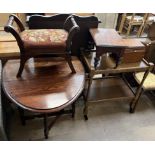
(142, 24)
(69, 25)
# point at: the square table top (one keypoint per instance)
(110, 38)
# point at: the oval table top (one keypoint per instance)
(46, 84)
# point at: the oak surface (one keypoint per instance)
(110, 38)
(9, 49)
(46, 85)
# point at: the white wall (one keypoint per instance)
(109, 20)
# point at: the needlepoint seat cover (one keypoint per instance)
(44, 38)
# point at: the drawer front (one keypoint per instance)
(131, 55)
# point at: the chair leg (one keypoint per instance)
(122, 23)
(139, 91)
(22, 63)
(68, 58)
(129, 29)
(133, 104)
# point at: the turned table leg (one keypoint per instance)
(45, 126)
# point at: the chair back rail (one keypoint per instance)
(47, 22)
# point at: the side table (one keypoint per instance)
(46, 87)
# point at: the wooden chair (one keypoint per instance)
(149, 83)
(39, 42)
(130, 20)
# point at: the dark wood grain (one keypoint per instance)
(71, 28)
(47, 85)
(105, 37)
(109, 41)
(110, 38)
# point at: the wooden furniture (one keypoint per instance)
(113, 84)
(45, 89)
(150, 44)
(130, 20)
(4, 37)
(128, 59)
(109, 41)
(149, 20)
(149, 83)
(82, 39)
(34, 43)
(8, 50)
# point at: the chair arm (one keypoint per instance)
(11, 20)
(69, 23)
(71, 26)
(9, 28)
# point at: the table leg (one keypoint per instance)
(45, 126)
(22, 116)
(85, 111)
(3, 112)
(96, 61)
(73, 110)
(99, 52)
(48, 127)
(3, 61)
(138, 92)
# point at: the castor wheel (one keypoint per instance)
(86, 117)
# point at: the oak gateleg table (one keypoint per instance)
(45, 88)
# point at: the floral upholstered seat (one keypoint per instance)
(44, 38)
(43, 42)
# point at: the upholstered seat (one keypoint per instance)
(44, 38)
(37, 42)
(149, 83)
